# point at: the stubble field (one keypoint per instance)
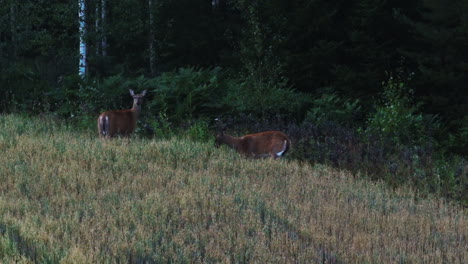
(68, 197)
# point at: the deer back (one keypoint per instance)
(265, 144)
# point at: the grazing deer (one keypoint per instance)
(266, 144)
(121, 122)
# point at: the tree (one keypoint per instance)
(83, 64)
(152, 55)
(440, 58)
(103, 28)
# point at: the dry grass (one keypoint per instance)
(67, 197)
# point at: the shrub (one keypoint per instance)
(188, 94)
(263, 99)
(158, 126)
(331, 107)
(457, 141)
(199, 131)
(397, 118)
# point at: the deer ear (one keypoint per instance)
(131, 92)
(143, 93)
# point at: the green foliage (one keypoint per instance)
(188, 94)
(161, 126)
(449, 178)
(263, 89)
(113, 92)
(457, 141)
(66, 99)
(260, 42)
(37, 44)
(259, 98)
(22, 89)
(199, 131)
(398, 118)
(332, 107)
(440, 58)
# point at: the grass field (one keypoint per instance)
(68, 197)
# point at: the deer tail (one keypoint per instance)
(103, 125)
(284, 149)
(286, 146)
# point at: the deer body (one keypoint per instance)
(265, 144)
(120, 122)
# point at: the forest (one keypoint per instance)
(377, 87)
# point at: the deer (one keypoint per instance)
(272, 144)
(120, 122)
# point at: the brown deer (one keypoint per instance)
(265, 144)
(120, 122)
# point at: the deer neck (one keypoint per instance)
(135, 112)
(136, 109)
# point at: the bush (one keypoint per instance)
(456, 141)
(188, 94)
(199, 131)
(263, 99)
(160, 126)
(397, 118)
(331, 107)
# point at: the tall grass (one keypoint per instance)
(68, 197)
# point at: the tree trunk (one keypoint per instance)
(83, 65)
(103, 28)
(151, 38)
(97, 29)
(14, 37)
(215, 3)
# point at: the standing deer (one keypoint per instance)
(265, 144)
(121, 122)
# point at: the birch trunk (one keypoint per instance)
(83, 66)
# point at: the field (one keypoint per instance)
(68, 197)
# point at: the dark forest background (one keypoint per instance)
(375, 86)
